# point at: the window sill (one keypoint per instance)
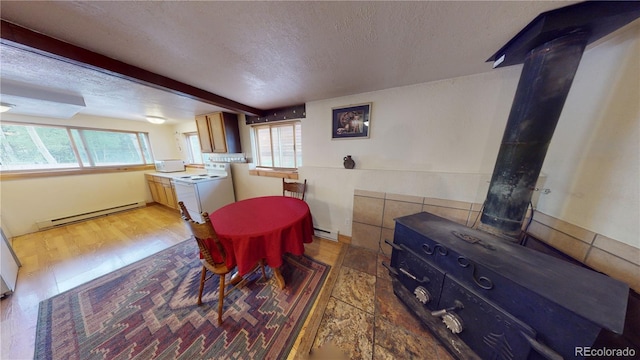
(31, 174)
(293, 175)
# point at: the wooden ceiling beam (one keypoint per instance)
(29, 40)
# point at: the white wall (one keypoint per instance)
(436, 139)
(26, 201)
(180, 142)
(593, 161)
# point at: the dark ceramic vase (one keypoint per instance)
(349, 163)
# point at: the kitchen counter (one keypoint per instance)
(161, 187)
(177, 174)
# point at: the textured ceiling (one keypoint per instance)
(262, 54)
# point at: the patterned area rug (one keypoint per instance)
(149, 310)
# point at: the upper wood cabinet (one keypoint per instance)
(219, 133)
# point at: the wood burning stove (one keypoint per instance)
(499, 300)
(488, 298)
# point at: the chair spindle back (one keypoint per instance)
(202, 232)
(294, 189)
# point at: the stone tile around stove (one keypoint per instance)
(390, 308)
(355, 288)
(409, 338)
(570, 245)
(365, 235)
(364, 319)
(347, 328)
(395, 209)
(361, 259)
(618, 248)
(382, 271)
(461, 216)
(368, 210)
(393, 342)
(443, 354)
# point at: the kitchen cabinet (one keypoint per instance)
(219, 132)
(162, 191)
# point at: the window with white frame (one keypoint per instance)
(48, 147)
(193, 147)
(278, 145)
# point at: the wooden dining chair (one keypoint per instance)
(214, 263)
(294, 189)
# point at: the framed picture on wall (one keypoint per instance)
(353, 121)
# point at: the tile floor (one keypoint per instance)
(365, 320)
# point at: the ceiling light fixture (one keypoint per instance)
(156, 119)
(37, 100)
(5, 107)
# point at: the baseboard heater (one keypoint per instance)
(50, 223)
(326, 234)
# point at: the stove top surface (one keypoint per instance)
(197, 177)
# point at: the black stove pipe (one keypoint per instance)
(550, 47)
(546, 78)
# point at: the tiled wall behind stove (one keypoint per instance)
(373, 214)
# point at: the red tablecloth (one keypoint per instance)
(263, 228)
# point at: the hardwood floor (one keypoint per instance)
(59, 259)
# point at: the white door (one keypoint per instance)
(8, 267)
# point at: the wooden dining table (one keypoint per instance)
(263, 228)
